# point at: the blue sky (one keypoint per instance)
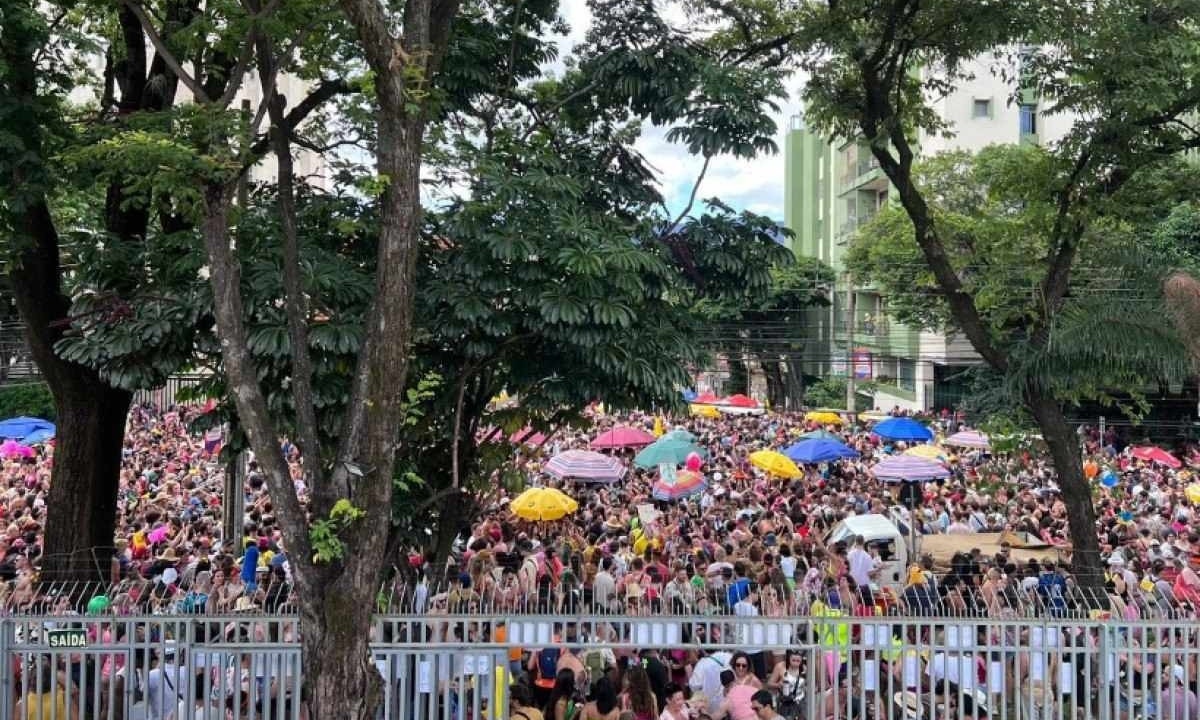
(755, 185)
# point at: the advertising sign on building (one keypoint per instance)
(862, 364)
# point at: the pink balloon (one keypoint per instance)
(693, 462)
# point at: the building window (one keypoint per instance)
(982, 108)
(906, 375)
(1028, 119)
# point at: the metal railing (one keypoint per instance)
(460, 668)
(506, 597)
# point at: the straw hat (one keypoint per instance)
(909, 704)
(169, 556)
(245, 605)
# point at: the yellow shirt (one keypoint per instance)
(35, 709)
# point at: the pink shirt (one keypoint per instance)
(738, 698)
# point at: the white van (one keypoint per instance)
(878, 531)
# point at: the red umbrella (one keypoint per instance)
(621, 437)
(527, 436)
(740, 400)
(1153, 454)
(705, 398)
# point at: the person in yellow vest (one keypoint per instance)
(833, 637)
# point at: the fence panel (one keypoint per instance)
(460, 667)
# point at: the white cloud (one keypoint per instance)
(755, 185)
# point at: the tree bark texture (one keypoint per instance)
(1076, 492)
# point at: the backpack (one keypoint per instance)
(548, 663)
(595, 663)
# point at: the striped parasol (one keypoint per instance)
(968, 438)
(685, 484)
(899, 468)
(586, 466)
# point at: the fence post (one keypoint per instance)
(1109, 686)
(6, 672)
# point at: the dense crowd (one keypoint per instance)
(749, 545)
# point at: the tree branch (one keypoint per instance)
(165, 53)
(691, 198)
(322, 93)
(295, 302)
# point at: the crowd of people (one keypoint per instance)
(750, 545)
(625, 552)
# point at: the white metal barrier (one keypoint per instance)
(461, 667)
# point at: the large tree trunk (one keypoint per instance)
(341, 680)
(1077, 495)
(81, 509)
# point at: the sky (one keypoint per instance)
(755, 185)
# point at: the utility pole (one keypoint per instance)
(850, 368)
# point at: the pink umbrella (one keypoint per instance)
(528, 436)
(622, 437)
(1149, 453)
(13, 449)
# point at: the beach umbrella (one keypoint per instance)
(968, 438)
(741, 401)
(686, 484)
(902, 428)
(873, 416)
(12, 449)
(707, 411)
(1150, 453)
(20, 428)
(899, 468)
(821, 435)
(586, 466)
(824, 417)
(774, 463)
(543, 505)
(810, 452)
(666, 450)
(706, 398)
(689, 395)
(528, 436)
(622, 437)
(929, 452)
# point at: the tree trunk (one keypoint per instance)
(794, 379)
(773, 372)
(1077, 495)
(81, 510)
(340, 678)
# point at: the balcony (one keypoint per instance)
(861, 173)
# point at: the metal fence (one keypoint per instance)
(460, 668)
(1016, 600)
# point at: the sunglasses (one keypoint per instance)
(740, 665)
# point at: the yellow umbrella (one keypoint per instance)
(1193, 493)
(774, 463)
(707, 411)
(824, 417)
(543, 505)
(929, 452)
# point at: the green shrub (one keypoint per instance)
(30, 399)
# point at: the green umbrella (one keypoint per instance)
(679, 434)
(666, 451)
(820, 435)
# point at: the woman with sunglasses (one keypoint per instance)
(742, 674)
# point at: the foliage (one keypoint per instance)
(830, 392)
(997, 229)
(31, 399)
(324, 533)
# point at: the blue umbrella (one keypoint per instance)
(902, 428)
(19, 428)
(689, 395)
(811, 452)
(37, 436)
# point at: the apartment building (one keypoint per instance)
(833, 186)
